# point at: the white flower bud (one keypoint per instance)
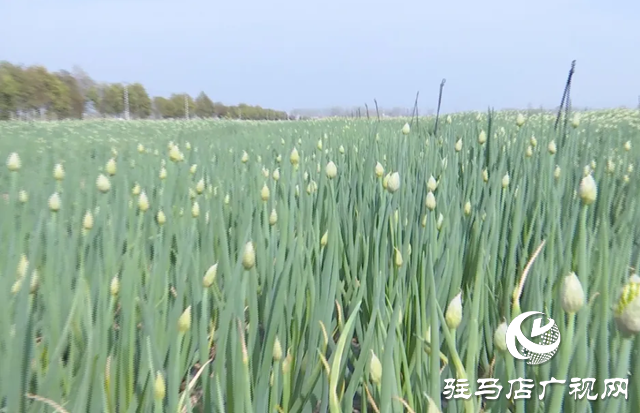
(54, 202)
(294, 158)
(286, 364)
(265, 193)
(519, 120)
(331, 170)
(161, 218)
(210, 276)
(87, 221)
(406, 129)
(23, 197)
(453, 315)
(379, 169)
(458, 145)
(588, 190)
(23, 266)
(394, 182)
(432, 184)
(159, 388)
(277, 347)
(482, 137)
(375, 369)
(398, 258)
(184, 322)
(110, 167)
(324, 239)
(627, 310)
(143, 202)
(552, 147)
(200, 186)
(114, 287)
(13, 162)
(249, 256)
(500, 337)
(575, 122)
(430, 202)
(571, 295)
(58, 172)
(103, 184)
(311, 188)
(557, 172)
(505, 180)
(174, 153)
(273, 217)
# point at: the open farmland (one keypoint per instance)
(315, 266)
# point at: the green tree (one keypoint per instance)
(139, 101)
(85, 82)
(163, 108)
(60, 105)
(204, 106)
(38, 89)
(220, 110)
(75, 96)
(12, 91)
(112, 101)
(178, 104)
(33, 91)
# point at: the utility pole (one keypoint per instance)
(126, 102)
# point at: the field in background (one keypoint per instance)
(285, 266)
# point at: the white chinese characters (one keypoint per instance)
(490, 388)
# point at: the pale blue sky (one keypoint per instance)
(289, 54)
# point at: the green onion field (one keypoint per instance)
(332, 265)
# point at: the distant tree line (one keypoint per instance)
(33, 92)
